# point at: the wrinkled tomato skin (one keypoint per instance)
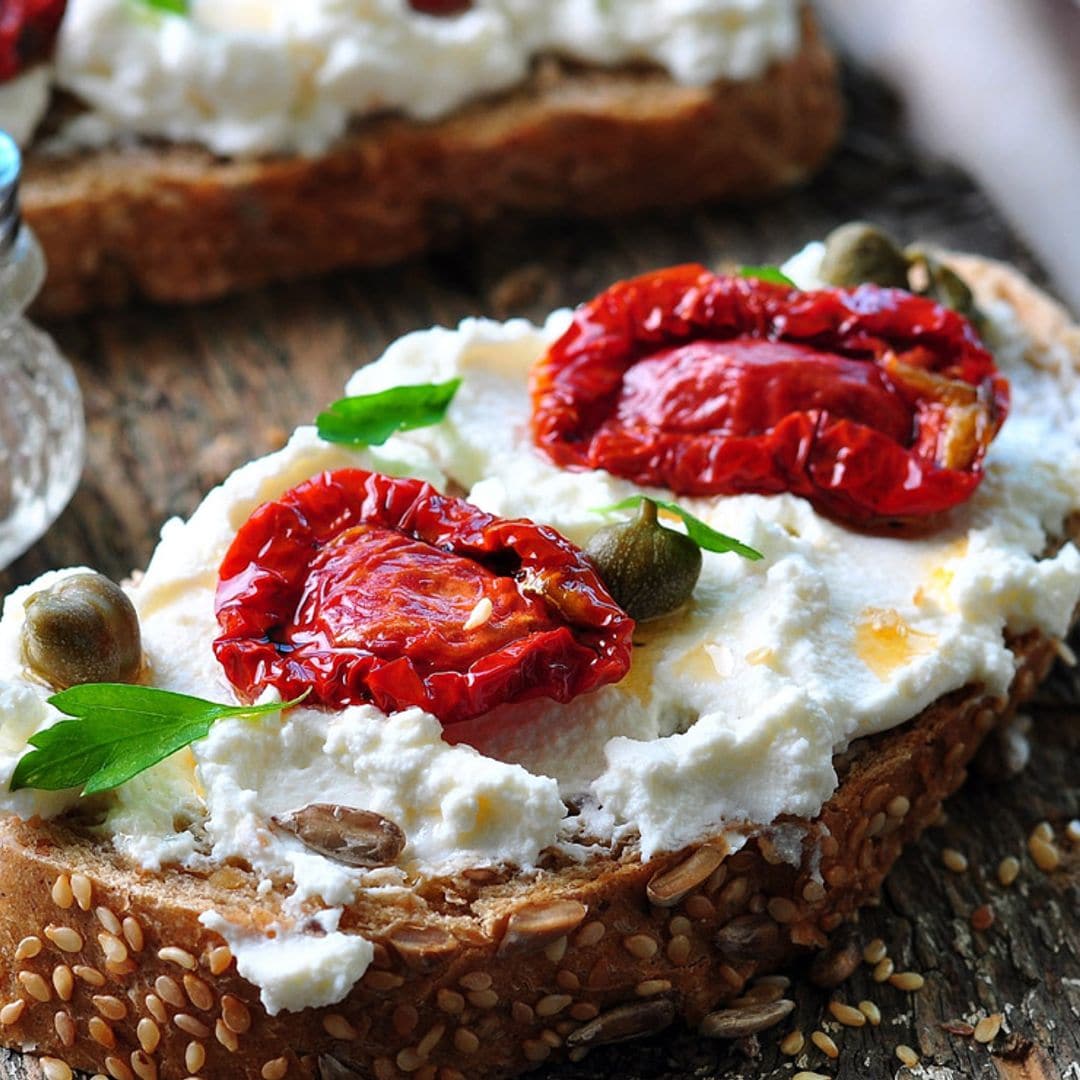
(28, 30)
(712, 385)
(361, 588)
(440, 7)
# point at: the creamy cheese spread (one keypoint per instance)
(249, 77)
(731, 713)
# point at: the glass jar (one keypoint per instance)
(41, 416)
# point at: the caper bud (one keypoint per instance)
(858, 252)
(649, 570)
(81, 630)
(941, 283)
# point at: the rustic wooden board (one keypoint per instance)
(176, 398)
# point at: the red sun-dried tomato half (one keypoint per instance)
(370, 588)
(28, 29)
(876, 405)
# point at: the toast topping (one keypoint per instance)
(876, 405)
(349, 836)
(365, 588)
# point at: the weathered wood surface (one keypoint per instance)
(175, 399)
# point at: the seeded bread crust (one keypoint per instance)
(174, 223)
(484, 975)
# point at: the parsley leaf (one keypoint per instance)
(119, 730)
(369, 420)
(173, 7)
(706, 537)
(772, 274)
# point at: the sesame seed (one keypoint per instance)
(236, 1014)
(89, 975)
(792, 1043)
(218, 961)
(907, 1056)
(116, 952)
(987, 1029)
(847, 1015)
(55, 1069)
(11, 1012)
(65, 1028)
(108, 920)
(782, 910)
(405, 1019)
(1008, 870)
(28, 948)
(430, 1040)
(226, 1037)
(100, 1032)
(194, 1057)
(651, 987)
(1072, 831)
(954, 860)
(874, 951)
(181, 957)
(813, 892)
(898, 807)
(584, 1010)
(133, 934)
(551, 1038)
(169, 989)
(35, 985)
(679, 924)
(678, 949)
(408, 1060)
(982, 918)
(118, 1069)
(450, 1001)
(565, 979)
(142, 1066)
(62, 895)
(883, 969)
(699, 907)
(804, 1075)
(275, 1069)
(523, 1014)
(149, 1034)
(191, 1025)
(484, 999)
(1044, 831)
(590, 934)
(82, 890)
(480, 614)
(641, 945)
(337, 1027)
(199, 993)
(556, 950)
(1044, 854)
(825, 1044)
(466, 1041)
(536, 1050)
(112, 1008)
(63, 982)
(871, 1012)
(475, 980)
(156, 1008)
(65, 938)
(907, 980)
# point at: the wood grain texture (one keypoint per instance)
(177, 398)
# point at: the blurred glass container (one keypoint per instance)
(42, 436)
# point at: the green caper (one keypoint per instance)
(932, 278)
(648, 569)
(858, 252)
(81, 630)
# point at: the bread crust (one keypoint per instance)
(482, 975)
(174, 223)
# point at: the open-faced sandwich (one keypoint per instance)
(559, 683)
(179, 149)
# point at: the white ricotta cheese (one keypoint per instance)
(260, 76)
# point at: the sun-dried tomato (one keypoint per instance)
(440, 7)
(370, 588)
(876, 405)
(28, 29)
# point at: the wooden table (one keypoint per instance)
(176, 398)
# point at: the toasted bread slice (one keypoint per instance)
(486, 974)
(174, 223)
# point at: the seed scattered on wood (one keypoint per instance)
(909, 981)
(804, 1075)
(954, 860)
(982, 918)
(344, 833)
(1044, 831)
(907, 1056)
(1008, 870)
(847, 1015)
(838, 962)
(883, 969)
(871, 1012)
(792, 1043)
(874, 951)
(1072, 831)
(987, 1029)
(1044, 854)
(825, 1044)
(739, 1023)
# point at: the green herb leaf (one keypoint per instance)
(369, 420)
(706, 538)
(173, 7)
(772, 274)
(119, 731)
